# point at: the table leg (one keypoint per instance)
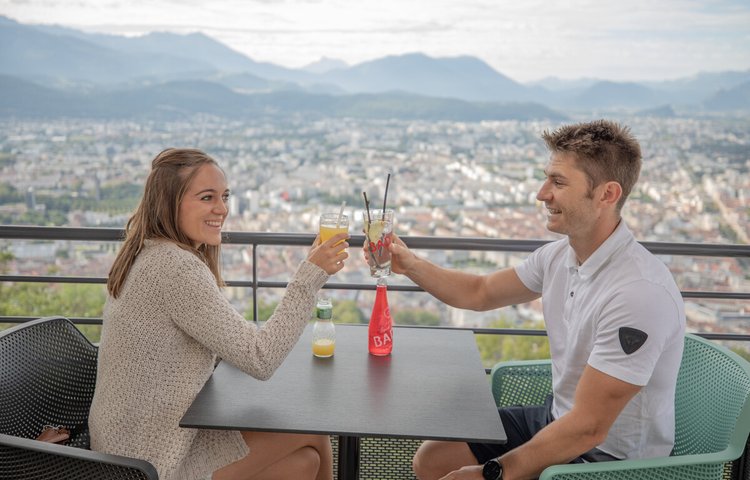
(348, 458)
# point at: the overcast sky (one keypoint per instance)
(523, 39)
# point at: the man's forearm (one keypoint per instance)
(599, 400)
(455, 288)
(558, 443)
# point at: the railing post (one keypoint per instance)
(255, 282)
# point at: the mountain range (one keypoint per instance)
(53, 70)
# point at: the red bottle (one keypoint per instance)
(380, 338)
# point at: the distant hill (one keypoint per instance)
(78, 62)
(466, 78)
(325, 65)
(55, 52)
(178, 99)
(698, 88)
(248, 83)
(607, 94)
(30, 53)
(555, 84)
(662, 111)
(731, 99)
(20, 98)
(590, 93)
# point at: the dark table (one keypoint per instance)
(432, 386)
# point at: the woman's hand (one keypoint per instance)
(329, 256)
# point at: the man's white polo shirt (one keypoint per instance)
(622, 313)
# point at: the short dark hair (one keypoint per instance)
(604, 150)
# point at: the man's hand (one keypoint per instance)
(469, 472)
(402, 259)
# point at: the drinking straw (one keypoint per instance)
(341, 212)
(367, 208)
(387, 181)
(367, 225)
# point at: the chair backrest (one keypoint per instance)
(524, 382)
(47, 377)
(712, 400)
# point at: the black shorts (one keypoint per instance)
(521, 423)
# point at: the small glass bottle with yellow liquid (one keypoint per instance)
(324, 333)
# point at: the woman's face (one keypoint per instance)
(204, 206)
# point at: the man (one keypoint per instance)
(614, 317)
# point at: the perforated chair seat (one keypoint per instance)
(712, 416)
(47, 377)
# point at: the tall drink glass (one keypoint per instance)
(378, 230)
(331, 224)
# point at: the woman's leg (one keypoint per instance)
(281, 456)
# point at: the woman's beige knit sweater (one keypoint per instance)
(159, 342)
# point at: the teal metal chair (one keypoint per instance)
(712, 408)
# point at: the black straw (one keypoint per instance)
(387, 181)
(367, 207)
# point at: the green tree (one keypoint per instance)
(347, 311)
(67, 300)
(742, 352)
(41, 300)
(9, 193)
(5, 258)
(502, 348)
(414, 316)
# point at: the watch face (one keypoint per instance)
(492, 470)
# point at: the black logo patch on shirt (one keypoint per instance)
(632, 339)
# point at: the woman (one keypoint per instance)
(166, 321)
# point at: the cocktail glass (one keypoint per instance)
(378, 232)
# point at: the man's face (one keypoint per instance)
(571, 208)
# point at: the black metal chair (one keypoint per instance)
(47, 377)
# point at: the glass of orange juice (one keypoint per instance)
(331, 224)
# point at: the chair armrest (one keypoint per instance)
(27, 459)
(704, 466)
(525, 382)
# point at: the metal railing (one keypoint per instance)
(257, 239)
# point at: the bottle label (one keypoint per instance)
(324, 313)
(384, 339)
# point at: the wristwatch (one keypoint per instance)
(492, 470)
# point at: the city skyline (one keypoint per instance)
(449, 179)
(526, 41)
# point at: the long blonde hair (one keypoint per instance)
(156, 216)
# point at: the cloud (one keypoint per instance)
(523, 39)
